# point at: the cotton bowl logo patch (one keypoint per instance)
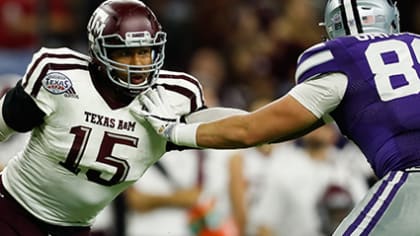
(56, 83)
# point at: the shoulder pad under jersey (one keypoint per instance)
(327, 57)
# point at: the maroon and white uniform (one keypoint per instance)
(82, 152)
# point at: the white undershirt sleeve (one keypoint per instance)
(5, 130)
(322, 94)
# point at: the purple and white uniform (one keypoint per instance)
(370, 85)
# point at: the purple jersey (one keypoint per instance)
(380, 109)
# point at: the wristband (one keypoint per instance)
(184, 134)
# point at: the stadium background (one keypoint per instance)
(240, 50)
(250, 47)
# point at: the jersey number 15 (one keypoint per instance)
(105, 156)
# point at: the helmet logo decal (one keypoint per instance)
(56, 83)
(97, 24)
(337, 22)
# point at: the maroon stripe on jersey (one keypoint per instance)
(52, 66)
(185, 92)
(47, 55)
(181, 76)
(187, 78)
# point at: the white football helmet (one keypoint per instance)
(352, 17)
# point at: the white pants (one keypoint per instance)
(391, 208)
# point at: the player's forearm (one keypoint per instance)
(282, 120)
(233, 132)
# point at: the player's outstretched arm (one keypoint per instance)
(280, 120)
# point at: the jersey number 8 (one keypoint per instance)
(403, 67)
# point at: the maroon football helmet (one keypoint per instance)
(124, 24)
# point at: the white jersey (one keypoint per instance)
(84, 153)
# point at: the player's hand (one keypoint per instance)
(157, 112)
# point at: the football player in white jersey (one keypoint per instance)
(366, 78)
(85, 146)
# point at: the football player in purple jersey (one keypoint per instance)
(86, 147)
(366, 78)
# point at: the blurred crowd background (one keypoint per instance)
(244, 52)
(241, 49)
